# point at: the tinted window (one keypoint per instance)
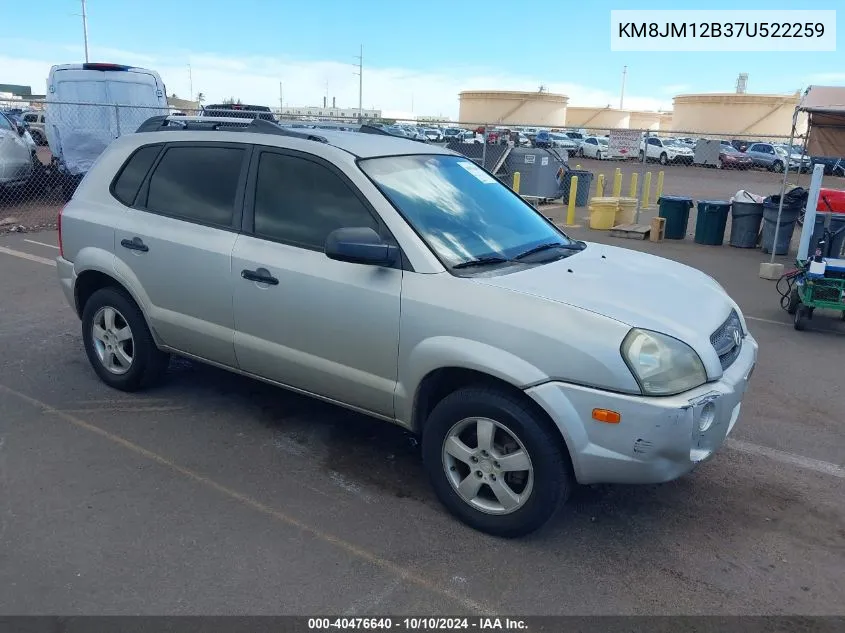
(654, 141)
(4, 123)
(30, 118)
(133, 173)
(197, 183)
(300, 202)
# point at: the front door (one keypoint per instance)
(326, 327)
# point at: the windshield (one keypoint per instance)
(780, 150)
(462, 212)
(602, 141)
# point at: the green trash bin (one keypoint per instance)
(711, 221)
(676, 211)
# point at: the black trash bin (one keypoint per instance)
(789, 215)
(675, 210)
(710, 222)
(818, 233)
(837, 241)
(746, 217)
(582, 193)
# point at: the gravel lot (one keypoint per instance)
(213, 494)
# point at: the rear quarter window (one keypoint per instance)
(128, 181)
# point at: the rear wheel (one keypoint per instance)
(494, 462)
(664, 159)
(794, 301)
(118, 342)
(641, 156)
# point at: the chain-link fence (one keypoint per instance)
(46, 148)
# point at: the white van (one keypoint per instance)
(90, 105)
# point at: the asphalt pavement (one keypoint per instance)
(214, 494)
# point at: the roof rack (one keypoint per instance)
(167, 123)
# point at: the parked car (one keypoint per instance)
(16, 154)
(562, 141)
(520, 139)
(346, 241)
(575, 136)
(731, 158)
(797, 160)
(452, 134)
(775, 158)
(432, 135)
(832, 166)
(543, 139)
(594, 147)
(35, 122)
(123, 97)
(666, 150)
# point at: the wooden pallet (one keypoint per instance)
(631, 231)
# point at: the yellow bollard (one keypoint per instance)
(578, 167)
(617, 183)
(516, 178)
(600, 186)
(632, 192)
(573, 192)
(658, 192)
(647, 191)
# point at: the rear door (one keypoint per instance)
(323, 326)
(174, 242)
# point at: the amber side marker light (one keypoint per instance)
(606, 415)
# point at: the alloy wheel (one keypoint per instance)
(113, 341)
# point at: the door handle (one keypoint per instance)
(262, 276)
(135, 244)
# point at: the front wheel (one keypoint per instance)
(664, 159)
(794, 301)
(641, 157)
(777, 166)
(118, 342)
(800, 320)
(494, 462)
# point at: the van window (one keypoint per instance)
(128, 182)
(300, 202)
(197, 184)
(82, 91)
(133, 93)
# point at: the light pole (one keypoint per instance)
(190, 83)
(85, 29)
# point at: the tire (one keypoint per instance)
(664, 159)
(641, 156)
(800, 321)
(146, 364)
(777, 167)
(794, 302)
(547, 482)
(581, 152)
(720, 164)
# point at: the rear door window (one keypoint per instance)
(197, 183)
(129, 180)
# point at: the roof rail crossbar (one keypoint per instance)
(259, 126)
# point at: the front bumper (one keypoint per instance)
(658, 438)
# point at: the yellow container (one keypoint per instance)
(627, 211)
(603, 213)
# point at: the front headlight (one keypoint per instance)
(662, 365)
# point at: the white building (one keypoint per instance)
(327, 112)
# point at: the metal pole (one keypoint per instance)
(281, 102)
(85, 29)
(783, 186)
(622, 94)
(190, 83)
(484, 148)
(642, 175)
(361, 85)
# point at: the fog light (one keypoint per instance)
(708, 414)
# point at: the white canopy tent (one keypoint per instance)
(825, 108)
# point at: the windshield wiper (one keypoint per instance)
(482, 261)
(545, 247)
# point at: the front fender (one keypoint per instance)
(454, 352)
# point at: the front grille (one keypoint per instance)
(724, 341)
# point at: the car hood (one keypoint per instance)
(634, 288)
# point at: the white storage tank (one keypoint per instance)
(507, 107)
(600, 119)
(755, 115)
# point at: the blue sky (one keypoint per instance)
(417, 55)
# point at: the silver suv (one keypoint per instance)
(403, 281)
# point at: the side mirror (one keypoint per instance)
(360, 245)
